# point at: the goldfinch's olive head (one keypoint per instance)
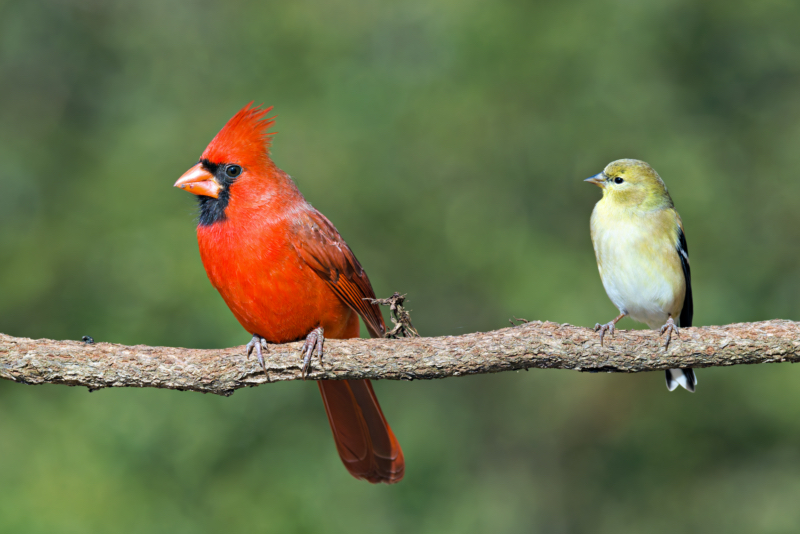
(632, 182)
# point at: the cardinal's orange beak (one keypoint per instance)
(199, 181)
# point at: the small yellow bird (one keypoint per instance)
(641, 254)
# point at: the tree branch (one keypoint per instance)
(534, 344)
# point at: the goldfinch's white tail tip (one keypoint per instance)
(681, 377)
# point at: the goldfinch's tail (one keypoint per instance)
(682, 377)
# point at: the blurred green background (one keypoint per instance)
(448, 141)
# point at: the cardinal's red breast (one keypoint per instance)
(265, 282)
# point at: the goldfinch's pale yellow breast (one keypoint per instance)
(638, 263)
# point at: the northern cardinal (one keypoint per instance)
(287, 275)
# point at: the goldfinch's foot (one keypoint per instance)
(669, 328)
(314, 340)
(603, 328)
(258, 343)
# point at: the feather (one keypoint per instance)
(684, 377)
(323, 249)
(366, 443)
(681, 377)
(243, 139)
(687, 311)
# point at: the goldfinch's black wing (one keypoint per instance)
(684, 377)
(688, 308)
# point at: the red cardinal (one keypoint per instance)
(287, 275)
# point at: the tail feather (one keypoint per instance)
(366, 443)
(681, 377)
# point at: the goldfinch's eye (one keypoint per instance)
(618, 180)
(233, 171)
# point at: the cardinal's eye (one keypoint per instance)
(233, 171)
(618, 180)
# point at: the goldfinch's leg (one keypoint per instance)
(258, 343)
(669, 328)
(608, 327)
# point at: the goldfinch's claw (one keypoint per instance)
(258, 343)
(669, 328)
(314, 340)
(603, 328)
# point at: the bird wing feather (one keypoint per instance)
(683, 251)
(322, 248)
(366, 444)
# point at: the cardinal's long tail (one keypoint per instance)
(363, 438)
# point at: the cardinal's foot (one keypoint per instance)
(314, 340)
(669, 328)
(258, 343)
(603, 328)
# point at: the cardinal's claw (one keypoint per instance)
(314, 340)
(258, 343)
(669, 328)
(603, 328)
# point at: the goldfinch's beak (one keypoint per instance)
(199, 181)
(598, 179)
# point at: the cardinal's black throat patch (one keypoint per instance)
(212, 210)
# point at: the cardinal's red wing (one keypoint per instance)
(324, 250)
(366, 443)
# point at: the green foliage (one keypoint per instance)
(448, 142)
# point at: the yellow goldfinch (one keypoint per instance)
(641, 253)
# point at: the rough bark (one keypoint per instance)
(531, 345)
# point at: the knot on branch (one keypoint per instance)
(400, 316)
